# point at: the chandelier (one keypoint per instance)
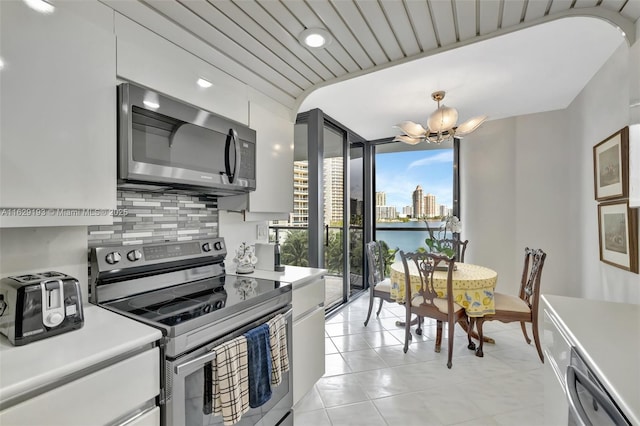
(441, 125)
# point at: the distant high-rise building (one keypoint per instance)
(386, 212)
(333, 190)
(430, 205)
(407, 211)
(443, 210)
(300, 215)
(381, 199)
(418, 202)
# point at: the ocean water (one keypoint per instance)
(406, 240)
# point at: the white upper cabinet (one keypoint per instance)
(273, 197)
(58, 117)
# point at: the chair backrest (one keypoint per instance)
(458, 247)
(375, 262)
(427, 264)
(532, 271)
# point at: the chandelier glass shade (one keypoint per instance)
(441, 125)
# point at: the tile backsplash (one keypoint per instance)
(152, 218)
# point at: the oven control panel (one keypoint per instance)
(118, 257)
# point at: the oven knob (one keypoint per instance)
(206, 247)
(113, 258)
(134, 255)
(217, 245)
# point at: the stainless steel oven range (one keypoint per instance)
(182, 289)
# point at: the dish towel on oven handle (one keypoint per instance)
(259, 359)
(230, 380)
(279, 353)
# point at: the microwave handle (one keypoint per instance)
(232, 136)
(599, 398)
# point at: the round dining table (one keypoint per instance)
(473, 287)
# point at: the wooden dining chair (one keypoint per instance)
(427, 303)
(522, 308)
(379, 286)
(459, 247)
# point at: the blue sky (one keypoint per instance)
(398, 174)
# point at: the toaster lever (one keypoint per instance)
(52, 302)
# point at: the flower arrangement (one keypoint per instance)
(436, 238)
(245, 258)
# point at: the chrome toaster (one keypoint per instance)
(40, 305)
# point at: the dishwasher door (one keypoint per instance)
(589, 402)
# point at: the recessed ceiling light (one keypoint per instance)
(41, 6)
(151, 104)
(204, 83)
(315, 38)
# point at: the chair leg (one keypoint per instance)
(419, 327)
(479, 322)
(438, 336)
(407, 330)
(380, 307)
(536, 338)
(471, 322)
(524, 331)
(450, 326)
(370, 308)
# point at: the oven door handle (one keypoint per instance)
(195, 364)
(599, 397)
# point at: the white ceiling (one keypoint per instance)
(537, 69)
(495, 57)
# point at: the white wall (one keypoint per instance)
(487, 167)
(28, 250)
(600, 110)
(528, 181)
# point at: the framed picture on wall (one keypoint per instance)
(618, 234)
(611, 166)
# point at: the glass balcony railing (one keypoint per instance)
(294, 250)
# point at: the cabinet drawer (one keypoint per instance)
(307, 297)
(96, 399)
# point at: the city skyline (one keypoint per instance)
(399, 173)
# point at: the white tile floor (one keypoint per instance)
(370, 381)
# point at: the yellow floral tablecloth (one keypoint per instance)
(473, 286)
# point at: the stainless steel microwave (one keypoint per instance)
(165, 144)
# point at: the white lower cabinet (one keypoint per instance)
(308, 337)
(150, 418)
(557, 351)
(112, 395)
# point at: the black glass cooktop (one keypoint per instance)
(177, 304)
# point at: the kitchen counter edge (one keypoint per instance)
(296, 275)
(38, 365)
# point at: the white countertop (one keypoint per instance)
(296, 275)
(607, 336)
(104, 335)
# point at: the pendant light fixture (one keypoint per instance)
(441, 125)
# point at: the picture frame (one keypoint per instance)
(618, 234)
(611, 166)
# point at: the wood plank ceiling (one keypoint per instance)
(258, 39)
